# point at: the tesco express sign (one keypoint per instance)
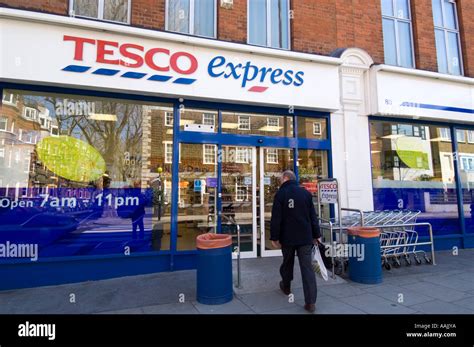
(179, 67)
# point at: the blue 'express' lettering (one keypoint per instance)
(219, 67)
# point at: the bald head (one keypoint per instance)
(288, 175)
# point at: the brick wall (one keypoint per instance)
(148, 14)
(317, 27)
(466, 23)
(48, 6)
(423, 35)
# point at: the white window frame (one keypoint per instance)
(169, 144)
(28, 110)
(397, 19)
(442, 134)
(463, 134)
(204, 115)
(470, 136)
(248, 127)
(191, 20)
(10, 101)
(446, 31)
(51, 130)
(238, 155)
(100, 12)
(204, 159)
(273, 119)
(238, 186)
(168, 124)
(271, 154)
(269, 27)
(2, 152)
(6, 123)
(320, 132)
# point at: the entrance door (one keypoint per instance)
(238, 198)
(272, 162)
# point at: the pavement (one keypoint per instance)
(445, 288)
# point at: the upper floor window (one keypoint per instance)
(448, 47)
(269, 23)
(169, 119)
(194, 17)
(9, 98)
(3, 123)
(110, 10)
(397, 35)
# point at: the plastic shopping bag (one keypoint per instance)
(318, 264)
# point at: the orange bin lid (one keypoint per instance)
(210, 241)
(365, 232)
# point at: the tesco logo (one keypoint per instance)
(167, 64)
(136, 55)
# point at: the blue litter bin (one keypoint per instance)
(364, 255)
(214, 269)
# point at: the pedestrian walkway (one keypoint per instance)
(446, 288)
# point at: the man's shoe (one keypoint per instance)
(310, 307)
(284, 289)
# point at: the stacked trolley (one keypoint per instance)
(399, 241)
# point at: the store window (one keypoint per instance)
(311, 128)
(197, 194)
(194, 17)
(269, 23)
(397, 33)
(313, 166)
(93, 178)
(448, 44)
(466, 170)
(109, 10)
(415, 172)
(257, 124)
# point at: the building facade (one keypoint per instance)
(129, 127)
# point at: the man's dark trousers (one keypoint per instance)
(307, 272)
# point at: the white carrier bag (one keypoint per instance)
(318, 264)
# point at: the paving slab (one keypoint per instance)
(233, 307)
(374, 304)
(175, 308)
(440, 307)
(437, 291)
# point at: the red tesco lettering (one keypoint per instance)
(111, 52)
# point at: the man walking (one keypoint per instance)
(295, 228)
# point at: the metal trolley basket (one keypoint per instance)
(398, 239)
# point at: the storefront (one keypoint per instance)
(422, 149)
(118, 146)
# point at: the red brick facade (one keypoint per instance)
(317, 27)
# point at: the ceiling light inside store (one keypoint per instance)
(374, 152)
(436, 139)
(103, 117)
(230, 125)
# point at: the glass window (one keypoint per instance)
(197, 194)
(444, 134)
(242, 155)
(470, 136)
(192, 119)
(168, 152)
(268, 23)
(3, 123)
(169, 119)
(311, 128)
(272, 155)
(417, 174)
(313, 166)
(8, 98)
(194, 17)
(466, 164)
(461, 135)
(94, 178)
(448, 49)
(110, 10)
(257, 124)
(209, 119)
(397, 36)
(209, 154)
